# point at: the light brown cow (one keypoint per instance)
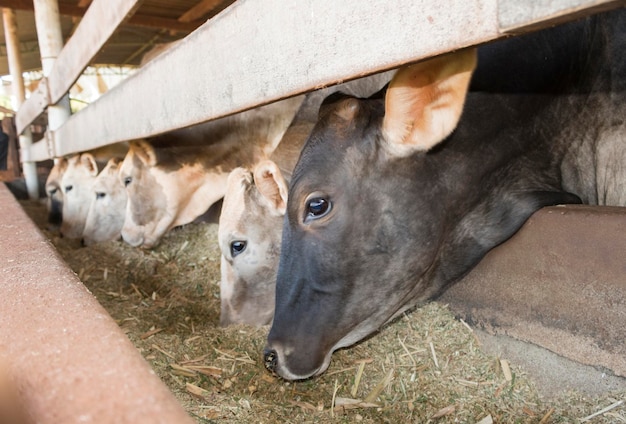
(252, 214)
(107, 209)
(175, 178)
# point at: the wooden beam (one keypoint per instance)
(136, 20)
(200, 10)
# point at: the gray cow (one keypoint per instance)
(250, 224)
(395, 199)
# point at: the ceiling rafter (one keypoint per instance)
(174, 25)
(200, 10)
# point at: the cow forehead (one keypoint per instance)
(234, 207)
(107, 179)
(128, 164)
(336, 141)
(75, 171)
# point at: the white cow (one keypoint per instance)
(107, 209)
(76, 183)
(174, 178)
(54, 189)
(54, 193)
(250, 225)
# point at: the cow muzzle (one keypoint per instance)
(270, 359)
(278, 363)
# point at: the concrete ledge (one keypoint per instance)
(559, 283)
(63, 356)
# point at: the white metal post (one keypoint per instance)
(15, 67)
(50, 37)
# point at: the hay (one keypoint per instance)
(425, 367)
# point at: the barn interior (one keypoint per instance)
(67, 359)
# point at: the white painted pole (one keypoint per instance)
(50, 37)
(15, 68)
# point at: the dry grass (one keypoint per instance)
(425, 367)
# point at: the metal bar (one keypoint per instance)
(242, 59)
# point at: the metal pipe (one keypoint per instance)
(15, 68)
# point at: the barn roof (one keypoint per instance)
(153, 22)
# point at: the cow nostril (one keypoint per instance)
(270, 358)
(82, 242)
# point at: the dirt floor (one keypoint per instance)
(425, 367)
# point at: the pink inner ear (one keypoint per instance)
(144, 152)
(90, 163)
(424, 102)
(269, 183)
(268, 188)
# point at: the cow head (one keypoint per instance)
(386, 207)
(76, 183)
(146, 201)
(108, 206)
(349, 253)
(168, 187)
(54, 193)
(249, 236)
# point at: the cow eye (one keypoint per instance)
(237, 247)
(68, 188)
(317, 207)
(127, 181)
(100, 195)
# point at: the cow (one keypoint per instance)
(54, 189)
(250, 224)
(107, 208)
(76, 183)
(393, 199)
(174, 178)
(54, 194)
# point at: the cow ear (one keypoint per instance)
(114, 163)
(89, 162)
(145, 152)
(61, 163)
(424, 102)
(272, 186)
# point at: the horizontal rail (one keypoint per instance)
(100, 21)
(260, 51)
